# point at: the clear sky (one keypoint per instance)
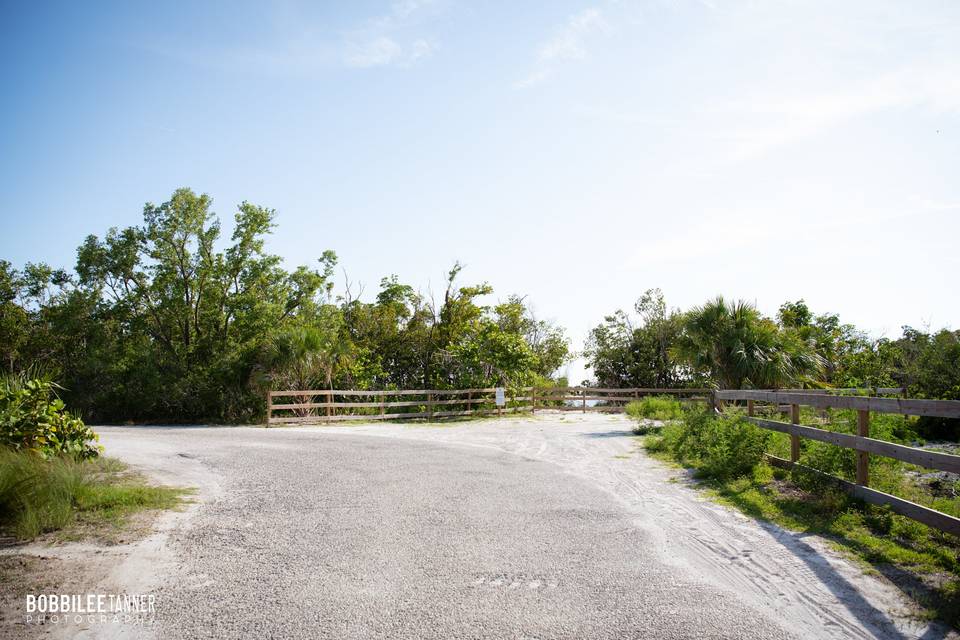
(575, 152)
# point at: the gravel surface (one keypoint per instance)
(557, 527)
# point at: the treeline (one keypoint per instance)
(158, 322)
(166, 321)
(730, 344)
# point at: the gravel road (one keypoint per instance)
(553, 527)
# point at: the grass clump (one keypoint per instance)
(40, 495)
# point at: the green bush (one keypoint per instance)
(33, 419)
(886, 474)
(718, 446)
(655, 408)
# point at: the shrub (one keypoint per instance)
(33, 419)
(655, 408)
(718, 446)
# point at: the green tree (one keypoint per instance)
(203, 313)
(625, 351)
(14, 319)
(167, 320)
(738, 347)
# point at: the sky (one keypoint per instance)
(577, 153)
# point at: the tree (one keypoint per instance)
(14, 320)
(737, 347)
(628, 352)
(195, 316)
(165, 320)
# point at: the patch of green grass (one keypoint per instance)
(39, 496)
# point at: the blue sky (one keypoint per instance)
(575, 152)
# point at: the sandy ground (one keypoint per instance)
(815, 591)
(678, 564)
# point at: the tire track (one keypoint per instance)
(816, 591)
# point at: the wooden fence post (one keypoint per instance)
(794, 438)
(329, 402)
(584, 393)
(470, 402)
(430, 407)
(269, 406)
(750, 408)
(383, 403)
(863, 458)
(533, 399)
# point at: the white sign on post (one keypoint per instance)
(501, 397)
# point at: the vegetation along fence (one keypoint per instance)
(332, 405)
(862, 443)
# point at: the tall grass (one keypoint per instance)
(40, 495)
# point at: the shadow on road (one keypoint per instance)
(609, 434)
(847, 594)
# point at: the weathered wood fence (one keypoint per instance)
(862, 443)
(336, 405)
(598, 399)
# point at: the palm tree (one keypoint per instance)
(738, 347)
(305, 356)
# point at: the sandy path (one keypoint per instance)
(817, 592)
(344, 535)
(533, 497)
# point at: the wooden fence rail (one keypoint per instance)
(334, 405)
(862, 443)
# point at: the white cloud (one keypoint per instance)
(299, 44)
(378, 43)
(938, 205)
(406, 8)
(774, 119)
(569, 42)
(384, 51)
(378, 52)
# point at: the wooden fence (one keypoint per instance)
(862, 443)
(335, 405)
(607, 400)
(340, 405)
